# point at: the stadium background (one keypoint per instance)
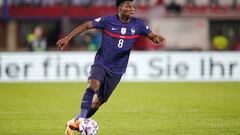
(190, 86)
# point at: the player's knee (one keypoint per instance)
(96, 103)
(94, 84)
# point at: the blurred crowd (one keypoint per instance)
(171, 4)
(225, 39)
(35, 35)
(76, 2)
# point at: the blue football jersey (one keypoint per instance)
(118, 40)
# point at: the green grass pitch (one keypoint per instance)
(133, 109)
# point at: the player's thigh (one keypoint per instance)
(96, 78)
(108, 87)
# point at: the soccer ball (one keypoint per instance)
(88, 127)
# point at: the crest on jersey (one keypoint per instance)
(133, 30)
(123, 31)
(98, 19)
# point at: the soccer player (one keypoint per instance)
(119, 34)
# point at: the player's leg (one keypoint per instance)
(104, 92)
(93, 86)
(96, 103)
(94, 82)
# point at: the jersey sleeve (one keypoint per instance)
(99, 22)
(145, 30)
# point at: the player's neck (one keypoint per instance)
(124, 19)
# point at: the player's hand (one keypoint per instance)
(62, 43)
(158, 39)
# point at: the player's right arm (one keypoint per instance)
(62, 43)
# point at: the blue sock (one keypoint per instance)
(86, 103)
(91, 112)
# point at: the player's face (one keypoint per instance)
(127, 9)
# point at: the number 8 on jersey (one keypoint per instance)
(120, 43)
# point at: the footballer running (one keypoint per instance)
(119, 35)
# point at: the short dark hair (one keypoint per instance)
(119, 2)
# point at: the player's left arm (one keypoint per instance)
(156, 38)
